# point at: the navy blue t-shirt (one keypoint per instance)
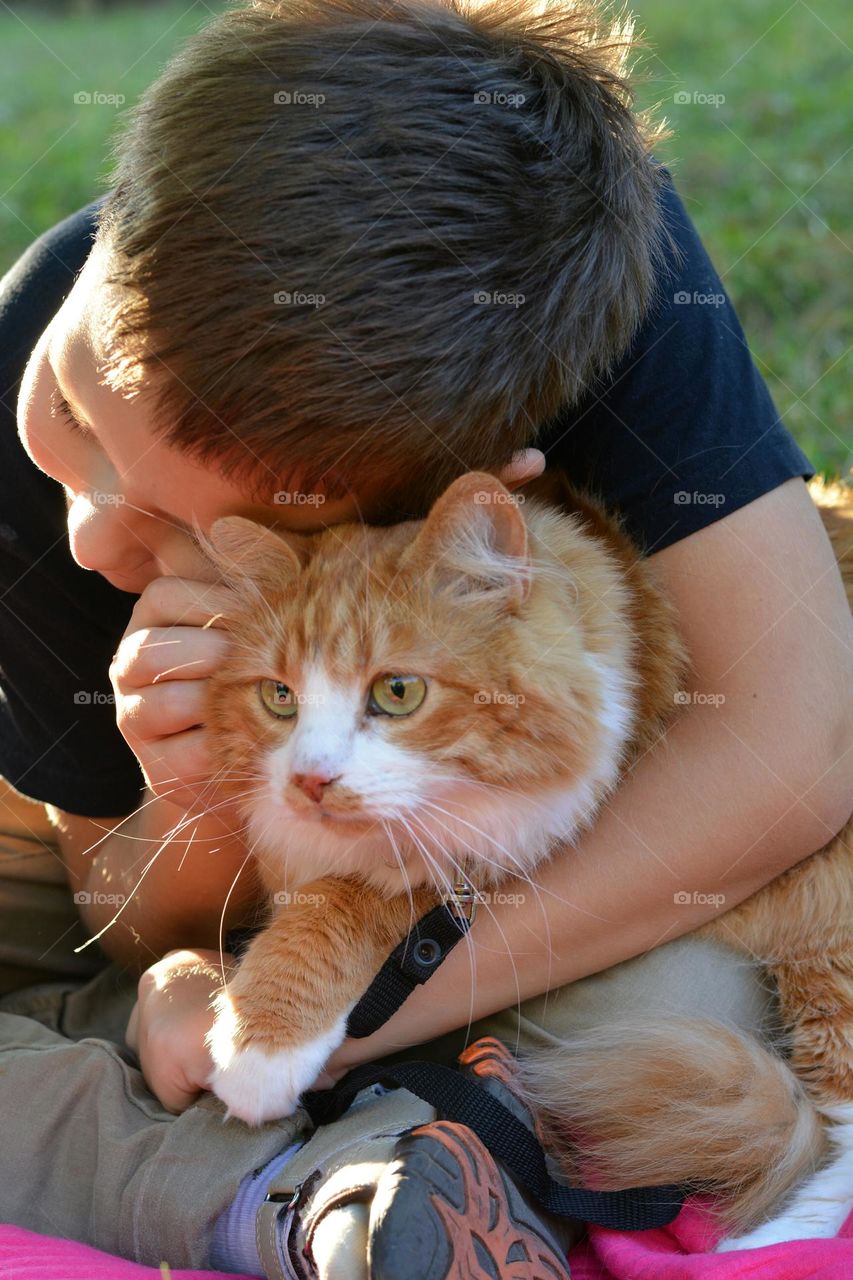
(682, 434)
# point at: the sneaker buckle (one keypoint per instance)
(289, 1251)
(289, 1198)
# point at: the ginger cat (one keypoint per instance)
(461, 693)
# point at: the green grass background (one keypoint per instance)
(764, 174)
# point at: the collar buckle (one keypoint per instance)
(462, 900)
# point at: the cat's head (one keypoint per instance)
(420, 696)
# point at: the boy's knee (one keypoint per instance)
(690, 977)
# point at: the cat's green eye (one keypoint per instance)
(396, 695)
(278, 698)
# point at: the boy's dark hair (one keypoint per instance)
(361, 241)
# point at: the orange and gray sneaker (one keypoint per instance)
(445, 1209)
(390, 1191)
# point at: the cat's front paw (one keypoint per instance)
(256, 1081)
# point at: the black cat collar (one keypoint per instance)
(426, 946)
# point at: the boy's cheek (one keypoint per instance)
(179, 556)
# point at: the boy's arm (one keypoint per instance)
(178, 901)
(733, 794)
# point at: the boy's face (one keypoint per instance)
(132, 498)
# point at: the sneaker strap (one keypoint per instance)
(340, 1163)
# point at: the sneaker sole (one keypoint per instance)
(445, 1211)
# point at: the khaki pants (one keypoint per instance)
(89, 1154)
(39, 924)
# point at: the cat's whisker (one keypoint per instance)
(239, 768)
(126, 902)
(443, 886)
(404, 875)
(469, 941)
(249, 854)
(201, 808)
(441, 881)
(198, 813)
(523, 874)
(171, 836)
(486, 906)
(525, 879)
(456, 817)
(523, 870)
(479, 857)
(230, 801)
(247, 582)
(116, 830)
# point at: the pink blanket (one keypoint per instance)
(679, 1252)
(676, 1252)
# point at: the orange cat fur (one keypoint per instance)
(549, 659)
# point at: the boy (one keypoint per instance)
(352, 251)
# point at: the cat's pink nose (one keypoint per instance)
(313, 784)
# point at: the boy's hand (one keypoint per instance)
(170, 1020)
(526, 465)
(174, 640)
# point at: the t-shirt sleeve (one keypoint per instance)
(684, 431)
(59, 624)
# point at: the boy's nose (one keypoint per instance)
(313, 784)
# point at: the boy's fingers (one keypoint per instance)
(177, 768)
(175, 1095)
(161, 710)
(328, 1078)
(170, 1084)
(168, 602)
(526, 465)
(167, 653)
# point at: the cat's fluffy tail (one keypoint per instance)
(680, 1100)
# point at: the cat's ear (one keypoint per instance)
(241, 548)
(475, 540)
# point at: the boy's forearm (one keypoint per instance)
(703, 821)
(151, 893)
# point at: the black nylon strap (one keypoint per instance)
(457, 1098)
(409, 965)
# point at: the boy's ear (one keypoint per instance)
(240, 548)
(475, 541)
